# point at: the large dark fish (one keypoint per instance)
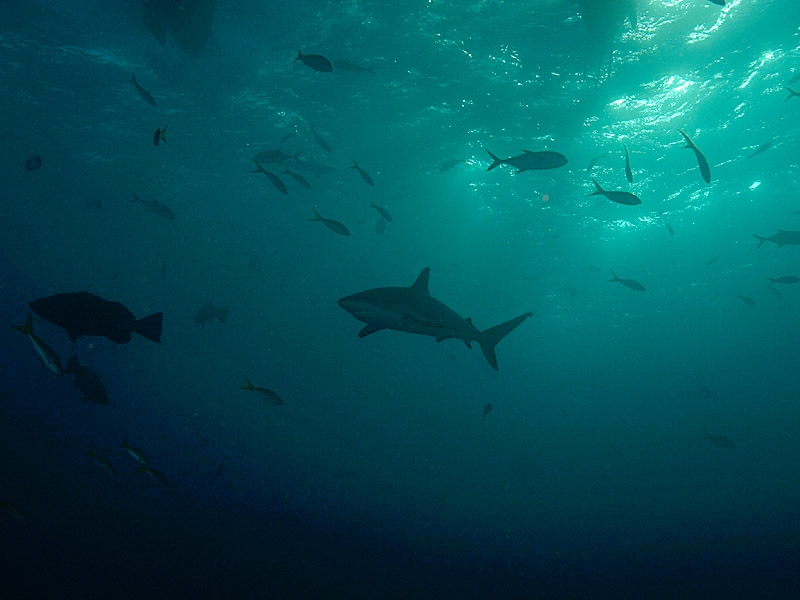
(33, 163)
(315, 61)
(276, 181)
(82, 313)
(629, 283)
(620, 197)
(782, 238)
(331, 224)
(142, 92)
(320, 140)
(628, 172)
(747, 300)
(364, 175)
(530, 161)
(670, 229)
(346, 65)
(762, 148)
(87, 382)
(154, 206)
(705, 170)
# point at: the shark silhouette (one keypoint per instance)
(414, 310)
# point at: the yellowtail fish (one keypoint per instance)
(45, 353)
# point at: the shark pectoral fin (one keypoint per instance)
(368, 329)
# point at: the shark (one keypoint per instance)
(414, 310)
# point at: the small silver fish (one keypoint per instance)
(629, 283)
(331, 224)
(382, 211)
(142, 92)
(364, 175)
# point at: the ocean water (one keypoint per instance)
(378, 477)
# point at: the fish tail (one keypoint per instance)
(771, 281)
(164, 134)
(597, 189)
(249, 385)
(150, 327)
(135, 198)
(495, 161)
(133, 78)
(354, 165)
(27, 328)
(689, 143)
(299, 56)
(296, 154)
(491, 337)
(792, 93)
(370, 70)
(760, 239)
(317, 216)
(614, 274)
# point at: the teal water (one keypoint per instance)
(378, 476)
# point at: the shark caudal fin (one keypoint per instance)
(614, 275)
(760, 239)
(497, 161)
(491, 337)
(150, 327)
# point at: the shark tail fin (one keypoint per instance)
(496, 161)
(491, 337)
(792, 93)
(27, 328)
(771, 281)
(249, 385)
(760, 239)
(133, 78)
(614, 275)
(317, 216)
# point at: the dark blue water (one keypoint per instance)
(378, 478)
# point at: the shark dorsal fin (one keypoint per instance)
(421, 284)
